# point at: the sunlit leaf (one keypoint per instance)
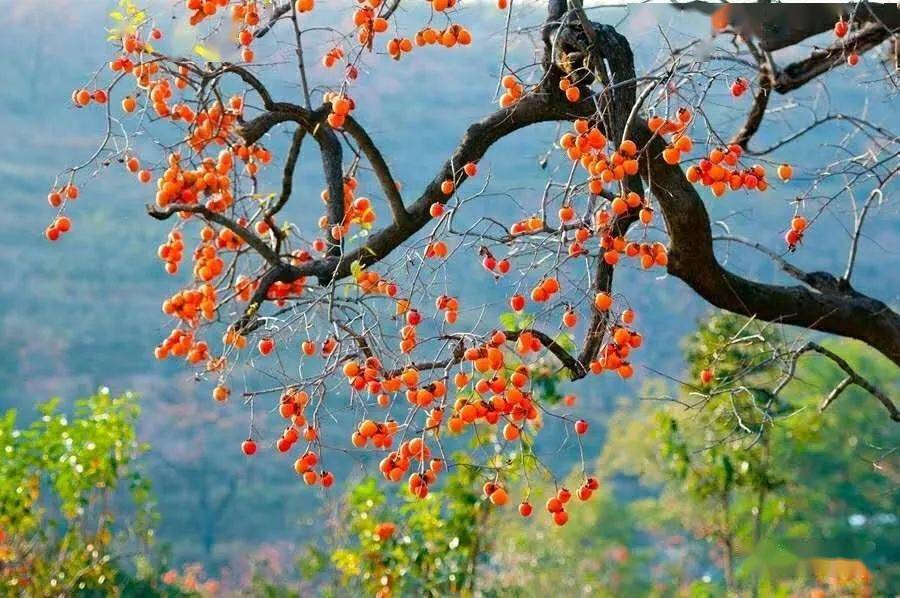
(207, 53)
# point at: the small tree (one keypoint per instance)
(60, 533)
(748, 463)
(426, 547)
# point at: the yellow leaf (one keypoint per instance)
(206, 53)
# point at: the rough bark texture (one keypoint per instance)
(691, 258)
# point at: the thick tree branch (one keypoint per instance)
(287, 176)
(332, 165)
(248, 322)
(379, 166)
(610, 60)
(282, 112)
(821, 61)
(779, 25)
(478, 138)
(248, 78)
(329, 147)
(692, 259)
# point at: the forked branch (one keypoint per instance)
(853, 377)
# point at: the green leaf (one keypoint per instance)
(356, 269)
(513, 321)
(565, 340)
(508, 320)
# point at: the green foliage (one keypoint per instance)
(512, 320)
(769, 482)
(433, 545)
(597, 553)
(730, 345)
(58, 483)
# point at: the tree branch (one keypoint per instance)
(604, 47)
(857, 231)
(852, 378)
(329, 148)
(332, 165)
(779, 25)
(569, 361)
(281, 112)
(279, 12)
(266, 252)
(577, 369)
(821, 61)
(820, 281)
(692, 259)
(287, 176)
(478, 138)
(248, 78)
(757, 110)
(379, 166)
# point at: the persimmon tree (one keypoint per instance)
(360, 315)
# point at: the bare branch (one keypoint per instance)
(835, 393)
(577, 369)
(857, 231)
(382, 171)
(757, 110)
(852, 378)
(287, 176)
(821, 61)
(279, 12)
(248, 78)
(821, 281)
